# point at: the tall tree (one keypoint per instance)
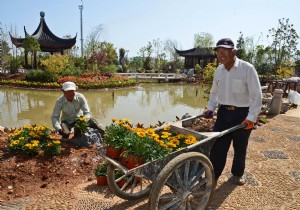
(93, 40)
(32, 46)
(284, 45)
(240, 47)
(203, 39)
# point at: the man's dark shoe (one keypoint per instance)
(239, 180)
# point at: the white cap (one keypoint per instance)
(69, 86)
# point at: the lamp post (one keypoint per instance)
(81, 30)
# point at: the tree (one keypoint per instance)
(32, 46)
(204, 39)
(109, 51)
(92, 40)
(146, 52)
(241, 48)
(284, 43)
(97, 60)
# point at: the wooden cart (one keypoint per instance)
(183, 179)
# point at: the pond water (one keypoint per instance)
(146, 104)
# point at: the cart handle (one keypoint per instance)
(217, 135)
(198, 116)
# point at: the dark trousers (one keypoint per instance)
(218, 155)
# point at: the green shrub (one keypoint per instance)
(109, 68)
(40, 76)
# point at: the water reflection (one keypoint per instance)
(146, 104)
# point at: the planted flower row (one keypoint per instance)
(147, 143)
(33, 140)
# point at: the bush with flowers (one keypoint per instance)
(147, 143)
(33, 140)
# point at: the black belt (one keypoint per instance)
(232, 108)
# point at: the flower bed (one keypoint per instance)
(33, 140)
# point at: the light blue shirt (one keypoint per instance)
(238, 87)
(69, 111)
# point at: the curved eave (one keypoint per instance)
(18, 42)
(196, 52)
(47, 39)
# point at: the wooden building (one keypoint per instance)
(201, 56)
(47, 40)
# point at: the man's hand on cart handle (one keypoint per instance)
(208, 113)
(249, 124)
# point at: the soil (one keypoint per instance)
(26, 176)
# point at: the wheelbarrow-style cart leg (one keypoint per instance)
(127, 186)
(186, 182)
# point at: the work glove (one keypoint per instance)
(250, 124)
(208, 113)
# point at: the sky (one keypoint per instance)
(131, 24)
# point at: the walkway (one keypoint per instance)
(272, 174)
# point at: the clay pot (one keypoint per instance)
(101, 180)
(113, 152)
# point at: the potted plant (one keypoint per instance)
(100, 172)
(81, 126)
(114, 137)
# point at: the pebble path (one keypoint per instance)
(272, 175)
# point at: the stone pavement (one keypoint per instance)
(272, 174)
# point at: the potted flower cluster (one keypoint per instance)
(100, 173)
(81, 125)
(114, 137)
(140, 144)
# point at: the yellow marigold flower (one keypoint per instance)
(21, 138)
(126, 120)
(82, 118)
(141, 134)
(171, 144)
(52, 137)
(56, 142)
(165, 135)
(155, 136)
(49, 144)
(114, 119)
(167, 128)
(180, 136)
(150, 131)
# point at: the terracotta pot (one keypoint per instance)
(121, 183)
(101, 180)
(113, 152)
(124, 161)
(134, 161)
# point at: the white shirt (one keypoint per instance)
(69, 111)
(238, 87)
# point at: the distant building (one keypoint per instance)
(47, 40)
(201, 56)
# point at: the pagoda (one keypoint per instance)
(47, 40)
(197, 55)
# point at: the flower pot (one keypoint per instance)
(121, 183)
(134, 161)
(101, 180)
(113, 152)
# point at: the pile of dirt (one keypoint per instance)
(22, 175)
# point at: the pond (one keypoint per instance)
(146, 104)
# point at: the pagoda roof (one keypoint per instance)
(196, 52)
(47, 40)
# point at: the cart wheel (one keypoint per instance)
(130, 186)
(186, 182)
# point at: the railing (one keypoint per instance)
(154, 76)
